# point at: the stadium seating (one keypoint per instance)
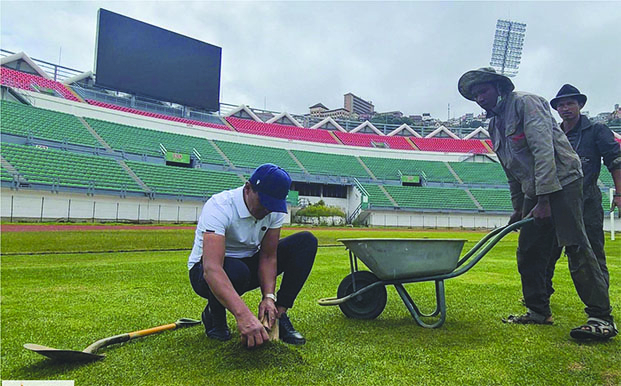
(146, 141)
(389, 168)
(281, 131)
(480, 173)
(605, 177)
(64, 168)
(5, 175)
(24, 120)
(377, 198)
(419, 197)
(251, 156)
(18, 79)
(450, 145)
(175, 180)
(367, 140)
(157, 115)
(493, 199)
(331, 164)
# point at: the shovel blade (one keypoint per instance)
(63, 355)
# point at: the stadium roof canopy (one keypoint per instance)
(407, 128)
(22, 62)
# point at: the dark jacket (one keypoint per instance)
(533, 150)
(594, 142)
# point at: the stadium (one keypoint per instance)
(68, 156)
(85, 147)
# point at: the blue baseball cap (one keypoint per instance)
(272, 183)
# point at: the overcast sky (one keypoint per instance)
(404, 56)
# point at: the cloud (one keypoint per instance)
(403, 56)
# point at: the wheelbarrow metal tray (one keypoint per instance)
(398, 258)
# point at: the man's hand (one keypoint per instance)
(542, 210)
(252, 331)
(515, 217)
(616, 203)
(268, 308)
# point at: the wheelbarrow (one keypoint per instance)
(362, 294)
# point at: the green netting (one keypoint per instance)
(184, 181)
(331, 164)
(251, 156)
(389, 169)
(24, 120)
(67, 169)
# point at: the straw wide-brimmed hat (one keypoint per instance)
(482, 75)
(568, 91)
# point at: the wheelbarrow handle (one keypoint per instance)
(504, 229)
(485, 245)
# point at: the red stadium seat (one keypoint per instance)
(451, 145)
(26, 81)
(157, 115)
(281, 131)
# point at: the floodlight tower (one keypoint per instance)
(507, 47)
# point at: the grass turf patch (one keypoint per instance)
(70, 300)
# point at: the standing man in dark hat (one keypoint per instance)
(545, 180)
(594, 143)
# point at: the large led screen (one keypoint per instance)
(145, 60)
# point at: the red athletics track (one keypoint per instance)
(55, 228)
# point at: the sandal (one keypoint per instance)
(596, 329)
(529, 318)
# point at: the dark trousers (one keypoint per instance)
(296, 255)
(566, 229)
(593, 216)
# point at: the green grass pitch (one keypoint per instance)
(66, 299)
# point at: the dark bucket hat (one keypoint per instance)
(482, 75)
(568, 91)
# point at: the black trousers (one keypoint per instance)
(296, 255)
(566, 229)
(593, 216)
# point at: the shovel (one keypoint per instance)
(90, 353)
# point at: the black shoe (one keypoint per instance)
(220, 331)
(287, 333)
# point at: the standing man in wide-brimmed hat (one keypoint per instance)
(594, 143)
(545, 179)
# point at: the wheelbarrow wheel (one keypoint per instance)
(368, 305)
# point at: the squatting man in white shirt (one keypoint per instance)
(237, 248)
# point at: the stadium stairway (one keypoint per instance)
(366, 168)
(94, 134)
(388, 196)
(476, 202)
(221, 153)
(12, 171)
(337, 139)
(135, 177)
(297, 161)
(448, 166)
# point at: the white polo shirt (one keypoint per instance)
(226, 214)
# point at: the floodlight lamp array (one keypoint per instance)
(507, 46)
